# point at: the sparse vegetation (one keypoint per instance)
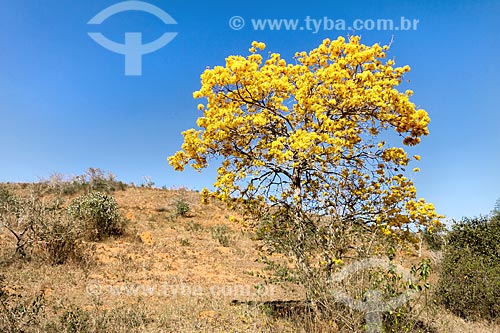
(148, 182)
(182, 207)
(93, 179)
(41, 294)
(20, 314)
(184, 242)
(469, 283)
(61, 240)
(220, 233)
(194, 226)
(98, 213)
(119, 320)
(40, 228)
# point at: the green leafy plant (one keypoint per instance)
(496, 209)
(469, 283)
(182, 208)
(436, 239)
(98, 213)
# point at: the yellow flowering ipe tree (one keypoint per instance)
(299, 146)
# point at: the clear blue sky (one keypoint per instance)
(66, 105)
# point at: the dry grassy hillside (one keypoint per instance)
(177, 268)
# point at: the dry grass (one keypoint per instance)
(169, 273)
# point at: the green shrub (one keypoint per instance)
(469, 283)
(496, 209)
(98, 213)
(182, 208)
(435, 240)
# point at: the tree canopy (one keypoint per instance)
(308, 134)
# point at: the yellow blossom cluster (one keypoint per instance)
(306, 133)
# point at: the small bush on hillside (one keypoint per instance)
(219, 233)
(22, 218)
(98, 213)
(182, 208)
(60, 240)
(194, 226)
(39, 227)
(469, 283)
